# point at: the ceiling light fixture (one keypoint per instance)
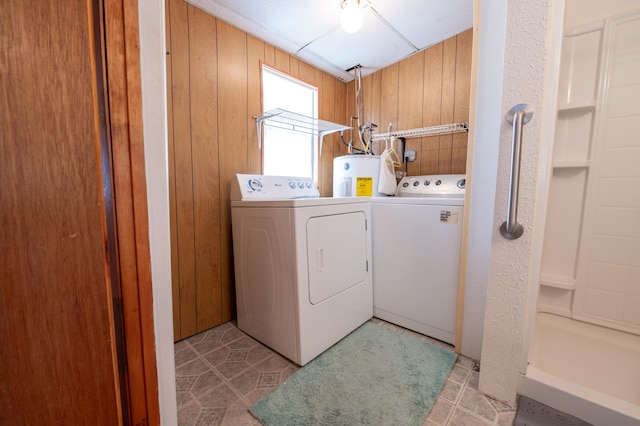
(352, 15)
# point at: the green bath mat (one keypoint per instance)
(374, 376)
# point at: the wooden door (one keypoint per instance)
(59, 357)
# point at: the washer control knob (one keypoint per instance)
(427, 182)
(308, 184)
(416, 183)
(462, 183)
(405, 184)
(300, 184)
(292, 184)
(438, 182)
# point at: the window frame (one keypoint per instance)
(315, 141)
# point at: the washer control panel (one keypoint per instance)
(263, 187)
(432, 186)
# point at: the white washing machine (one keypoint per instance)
(302, 264)
(417, 235)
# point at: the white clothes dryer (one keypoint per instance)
(302, 264)
(417, 236)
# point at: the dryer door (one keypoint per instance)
(337, 254)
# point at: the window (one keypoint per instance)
(287, 152)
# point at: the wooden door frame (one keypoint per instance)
(120, 47)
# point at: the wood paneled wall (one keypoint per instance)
(428, 88)
(214, 91)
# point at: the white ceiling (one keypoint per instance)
(310, 29)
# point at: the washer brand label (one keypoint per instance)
(447, 216)
(364, 186)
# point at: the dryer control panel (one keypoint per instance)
(432, 186)
(262, 187)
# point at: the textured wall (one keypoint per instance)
(525, 61)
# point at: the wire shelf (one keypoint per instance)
(288, 120)
(441, 129)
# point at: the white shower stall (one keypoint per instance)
(584, 358)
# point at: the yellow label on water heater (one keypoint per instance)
(364, 186)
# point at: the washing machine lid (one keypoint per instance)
(423, 201)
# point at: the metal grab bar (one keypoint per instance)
(519, 115)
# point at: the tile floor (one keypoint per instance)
(222, 371)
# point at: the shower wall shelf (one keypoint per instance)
(588, 105)
(441, 129)
(571, 164)
(564, 283)
(288, 120)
